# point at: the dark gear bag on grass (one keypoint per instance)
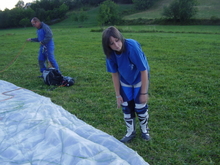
(67, 81)
(52, 76)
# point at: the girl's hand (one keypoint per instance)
(143, 98)
(119, 101)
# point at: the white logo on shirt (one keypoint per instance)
(132, 66)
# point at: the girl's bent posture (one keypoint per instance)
(129, 67)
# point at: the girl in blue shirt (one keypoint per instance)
(129, 67)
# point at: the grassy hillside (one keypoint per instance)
(206, 9)
(92, 17)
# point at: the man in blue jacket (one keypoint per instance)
(45, 38)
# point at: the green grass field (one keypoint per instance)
(184, 92)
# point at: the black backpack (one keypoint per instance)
(52, 76)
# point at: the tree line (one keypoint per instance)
(46, 10)
(51, 11)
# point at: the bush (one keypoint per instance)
(215, 19)
(108, 13)
(80, 16)
(180, 10)
(143, 4)
(24, 22)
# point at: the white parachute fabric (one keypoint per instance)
(35, 131)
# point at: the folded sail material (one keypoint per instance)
(35, 131)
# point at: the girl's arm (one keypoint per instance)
(144, 87)
(116, 83)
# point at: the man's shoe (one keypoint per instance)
(145, 136)
(127, 139)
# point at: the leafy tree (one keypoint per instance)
(50, 10)
(180, 10)
(41, 14)
(20, 4)
(11, 18)
(45, 10)
(63, 9)
(143, 4)
(81, 16)
(123, 1)
(24, 22)
(108, 13)
(5, 18)
(69, 3)
(95, 2)
(48, 4)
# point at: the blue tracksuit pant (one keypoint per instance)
(47, 54)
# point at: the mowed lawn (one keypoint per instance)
(184, 91)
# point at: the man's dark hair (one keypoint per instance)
(35, 19)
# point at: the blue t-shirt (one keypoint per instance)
(129, 63)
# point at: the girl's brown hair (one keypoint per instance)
(107, 33)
